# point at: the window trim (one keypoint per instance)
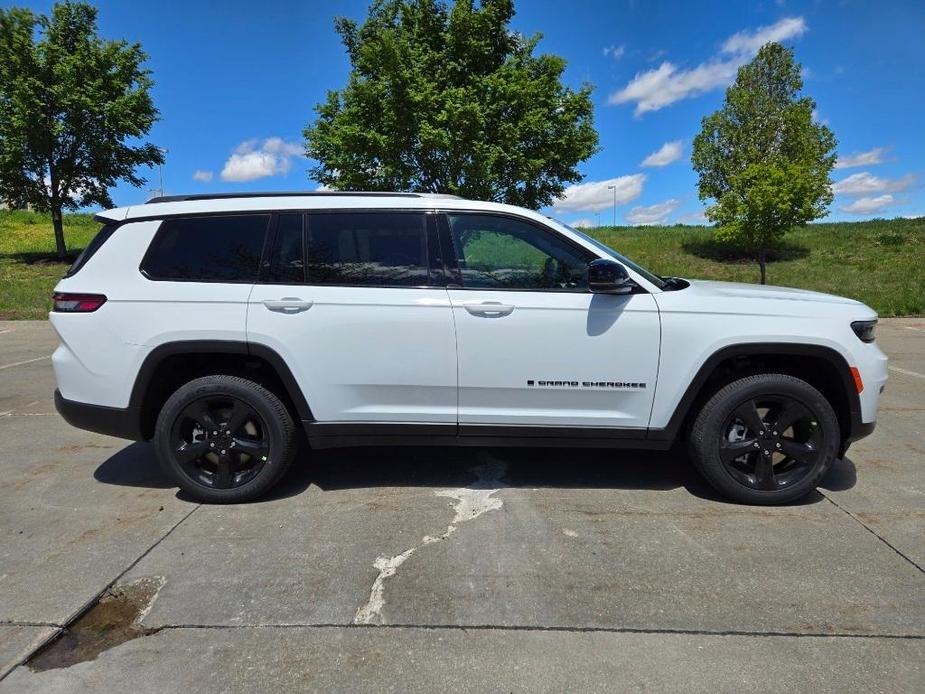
(450, 252)
(160, 230)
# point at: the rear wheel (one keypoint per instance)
(765, 439)
(225, 439)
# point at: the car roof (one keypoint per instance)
(174, 205)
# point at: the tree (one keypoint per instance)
(762, 158)
(69, 103)
(450, 100)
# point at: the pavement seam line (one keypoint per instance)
(23, 363)
(871, 531)
(565, 629)
(907, 372)
(90, 603)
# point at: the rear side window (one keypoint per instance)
(95, 244)
(287, 257)
(368, 249)
(207, 249)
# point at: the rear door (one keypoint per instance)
(351, 302)
(535, 347)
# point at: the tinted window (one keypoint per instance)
(368, 249)
(208, 249)
(505, 253)
(95, 244)
(286, 259)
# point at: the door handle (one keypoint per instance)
(288, 304)
(489, 309)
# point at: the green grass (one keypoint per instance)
(28, 267)
(880, 262)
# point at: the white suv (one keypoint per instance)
(222, 327)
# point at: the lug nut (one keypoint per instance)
(223, 452)
(214, 433)
(232, 444)
(778, 445)
(756, 445)
(211, 445)
(775, 433)
(766, 452)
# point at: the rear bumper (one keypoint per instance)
(123, 423)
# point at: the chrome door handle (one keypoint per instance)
(288, 304)
(490, 309)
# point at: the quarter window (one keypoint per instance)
(207, 249)
(368, 249)
(504, 253)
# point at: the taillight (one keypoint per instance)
(77, 303)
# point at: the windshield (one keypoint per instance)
(650, 276)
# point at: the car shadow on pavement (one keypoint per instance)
(356, 468)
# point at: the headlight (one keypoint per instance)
(864, 329)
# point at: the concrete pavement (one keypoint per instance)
(517, 570)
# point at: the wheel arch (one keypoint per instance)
(822, 367)
(171, 364)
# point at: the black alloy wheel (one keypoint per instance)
(220, 442)
(770, 442)
(225, 439)
(765, 439)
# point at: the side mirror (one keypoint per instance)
(606, 276)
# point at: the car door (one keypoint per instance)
(349, 301)
(534, 346)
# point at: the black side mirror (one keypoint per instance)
(606, 276)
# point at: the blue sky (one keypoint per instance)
(237, 82)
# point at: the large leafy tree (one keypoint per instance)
(450, 99)
(72, 108)
(762, 158)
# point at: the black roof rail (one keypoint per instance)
(277, 194)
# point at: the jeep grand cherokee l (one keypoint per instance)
(226, 328)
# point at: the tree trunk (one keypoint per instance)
(762, 263)
(58, 223)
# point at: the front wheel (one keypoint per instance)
(765, 439)
(224, 439)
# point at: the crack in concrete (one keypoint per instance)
(870, 530)
(471, 502)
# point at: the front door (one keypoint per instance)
(349, 301)
(534, 346)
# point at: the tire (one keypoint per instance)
(225, 439)
(765, 439)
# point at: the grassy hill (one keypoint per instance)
(880, 262)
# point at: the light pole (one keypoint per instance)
(160, 172)
(614, 189)
(598, 218)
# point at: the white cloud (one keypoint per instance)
(255, 159)
(655, 89)
(864, 183)
(697, 217)
(202, 175)
(652, 214)
(869, 205)
(595, 196)
(868, 158)
(750, 42)
(615, 52)
(667, 153)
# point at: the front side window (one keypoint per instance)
(367, 249)
(207, 249)
(505, 253)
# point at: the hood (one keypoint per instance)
(739, 290)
